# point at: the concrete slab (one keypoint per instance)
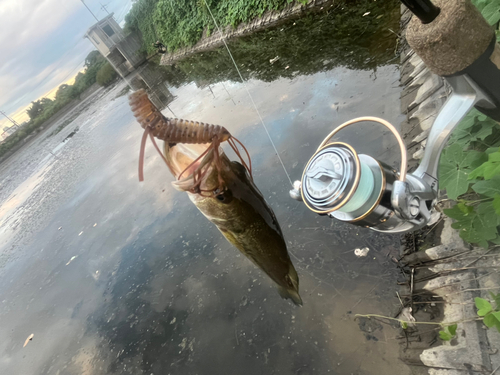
(420, 88)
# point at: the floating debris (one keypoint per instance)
(361, 252)
(272, 61)
(72, 259)
(407, 317)
(30, 337)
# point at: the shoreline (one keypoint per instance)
(449, 274)
(268, 19)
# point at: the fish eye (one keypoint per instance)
(220, 197)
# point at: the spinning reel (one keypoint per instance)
(454, 41)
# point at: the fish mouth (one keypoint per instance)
(181, 160)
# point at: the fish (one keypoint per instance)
(223, 190)
(239, 211)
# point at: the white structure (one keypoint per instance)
(119, 49)
(7, 131)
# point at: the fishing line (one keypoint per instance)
(228, 94)
(248, 92)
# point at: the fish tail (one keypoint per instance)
(290, 294)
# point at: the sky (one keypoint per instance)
(42, 47)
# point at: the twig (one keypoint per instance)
(407, 322)
(411, 288)
(431, 262)
(400, 301)
(395, 319)
(434, 226)
(458, 282)
(450, 294)
(445, 272)
(463, 258)
(471, 263)
(471, 290)
(448, 303)
(495, 370)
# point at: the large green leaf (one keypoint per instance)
(492, 12)
(458, 212)
(490, 188)
(452, 329)
(474, 127)
(483, 306)
(496, 314)
(487, 211)
(480, 4)
(488, 169)
(455, 166)
(445, 336)
(476, 226)
(486, 221)
(463, 133)
(496, 203)
(489, 320)
(464, 224)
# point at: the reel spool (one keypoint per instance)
(359, 189)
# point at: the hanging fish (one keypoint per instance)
(221, 189)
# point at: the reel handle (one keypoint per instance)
(465, 95)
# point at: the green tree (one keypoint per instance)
(93, 58)
(37, 107)
(106, 74)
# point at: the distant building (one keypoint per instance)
(7, 131)
(119, 49)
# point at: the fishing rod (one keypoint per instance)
(454, 41)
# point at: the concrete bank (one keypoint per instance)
(444, 279)
(269, 19)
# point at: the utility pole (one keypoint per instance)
(104, 7)
(16, 125)
(90, 10)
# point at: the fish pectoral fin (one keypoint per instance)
(290, 294)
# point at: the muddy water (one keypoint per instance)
(117, 277)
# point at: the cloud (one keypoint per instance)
(42, 46)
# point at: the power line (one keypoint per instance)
(11, 120)
(83, 2)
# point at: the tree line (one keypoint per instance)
(96, 70)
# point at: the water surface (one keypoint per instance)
(114, 276)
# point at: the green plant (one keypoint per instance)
(491, 316)
(470, 167)
(448, 332)
(338, 38)
(182, 23)
(490, 9)
(470, 173)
